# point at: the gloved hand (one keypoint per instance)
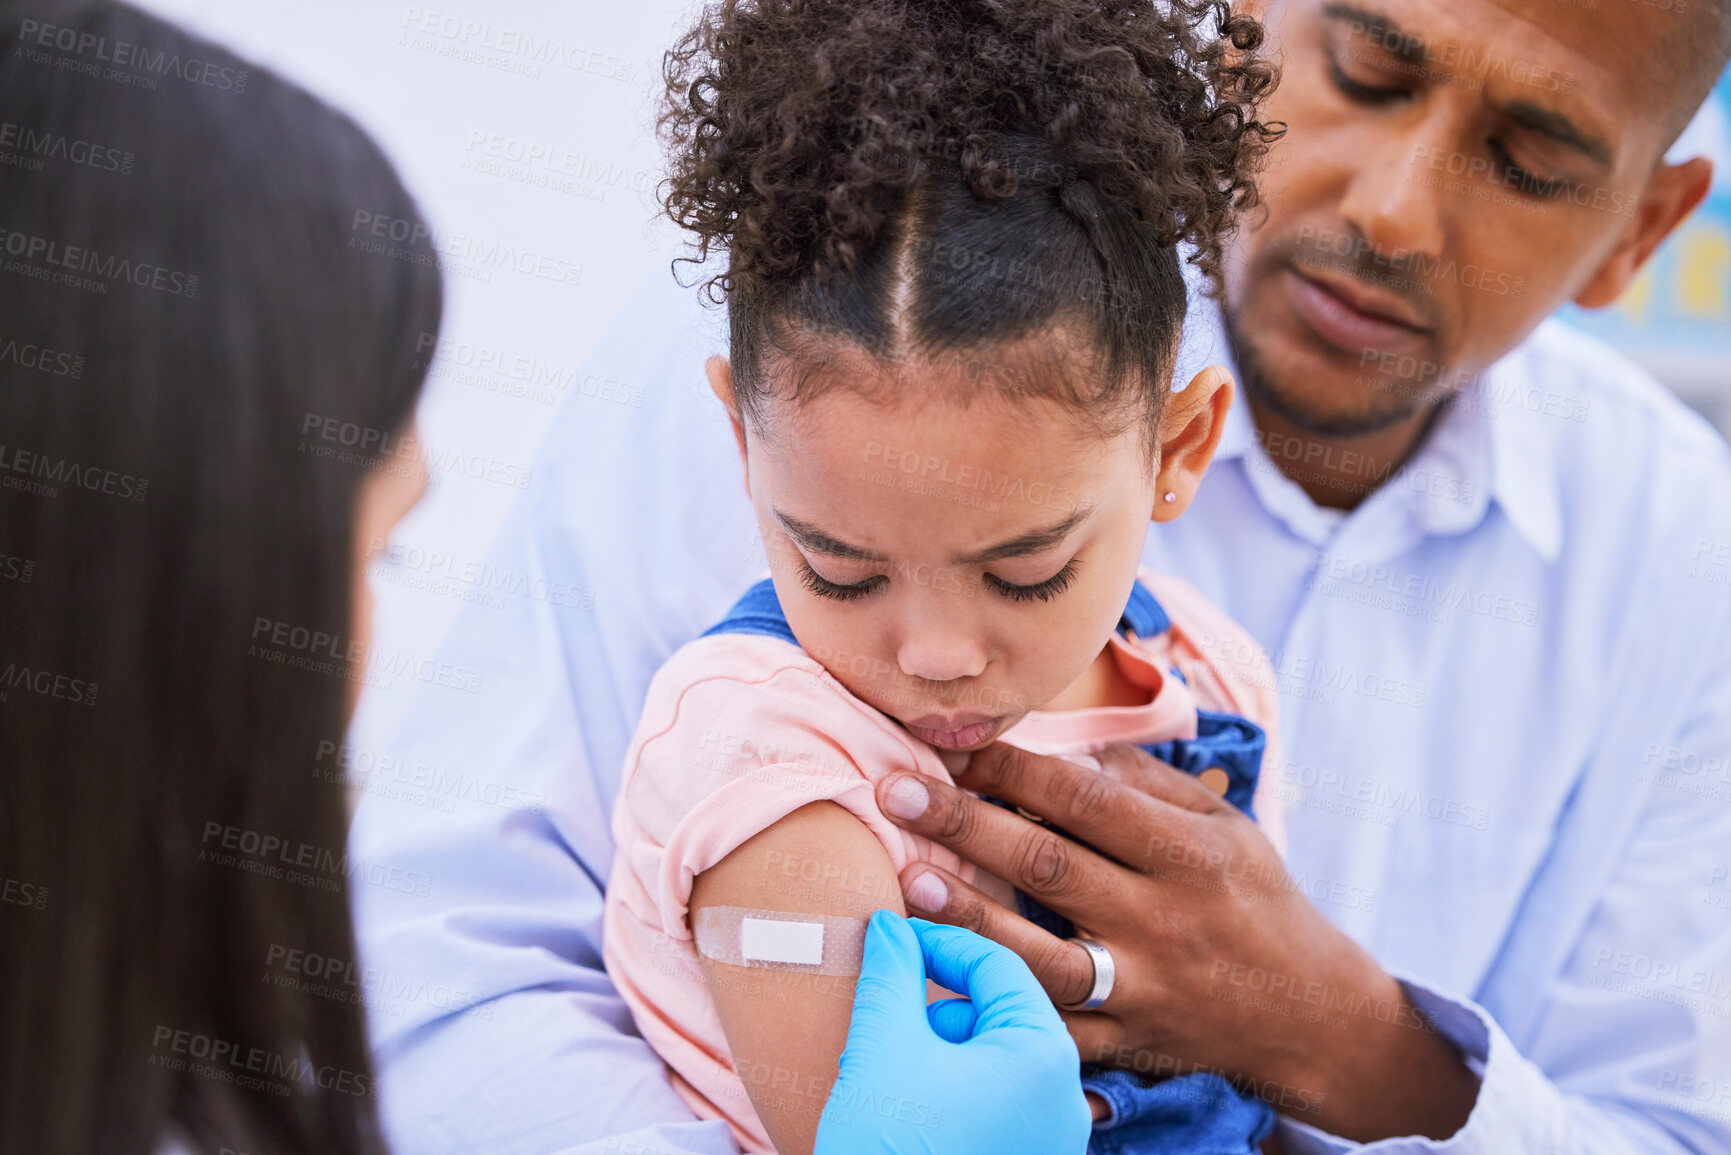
(995, 1073)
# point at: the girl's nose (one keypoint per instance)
(937, 654)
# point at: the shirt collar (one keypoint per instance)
(1495, 438)
(1523, 435)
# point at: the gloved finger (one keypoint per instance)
(890, 1000)
(952, 1019)
(1003, 989)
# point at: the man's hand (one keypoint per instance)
(1222, 963)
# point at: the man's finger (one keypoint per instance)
(1146, 774)
(1063, 968)
(1109, 815)
(1078, 883)
(1099, 1039)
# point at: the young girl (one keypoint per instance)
(955, 298)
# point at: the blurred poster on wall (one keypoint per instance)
(1675, 318)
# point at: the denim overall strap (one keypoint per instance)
(1143, 616)
(758, 612)
(1227, 741)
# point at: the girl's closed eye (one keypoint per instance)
(1045, 591)
(838, 591)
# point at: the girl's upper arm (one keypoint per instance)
(786, 1028)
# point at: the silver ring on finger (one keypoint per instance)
(1105, 974)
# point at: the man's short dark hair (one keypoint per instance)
(1693, 50)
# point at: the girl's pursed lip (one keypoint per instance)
(959, 738)
(942, 722)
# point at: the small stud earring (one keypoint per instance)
(1170, 497)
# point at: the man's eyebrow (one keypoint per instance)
(815, 540)
(1408, 49)
(1038, 541)
(1555, 126)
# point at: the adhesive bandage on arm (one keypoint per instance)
(822, 944)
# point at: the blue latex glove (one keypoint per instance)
(995, 1073)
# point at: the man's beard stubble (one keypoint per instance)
(1266, 390)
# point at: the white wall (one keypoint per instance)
(440, 85)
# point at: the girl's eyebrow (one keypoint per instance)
(1037, 541)
(811, 538)
(815, 540)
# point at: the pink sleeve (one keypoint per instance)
(738, 732)
(1230, 673)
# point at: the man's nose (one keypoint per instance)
(1391, 200)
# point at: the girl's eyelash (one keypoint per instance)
(824, 588)
(1045, 591)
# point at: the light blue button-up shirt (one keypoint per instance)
(1506, 695)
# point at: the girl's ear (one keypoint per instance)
(1190, 430)
(720, 373)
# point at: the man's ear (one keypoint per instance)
(720, 373)
(1671, 194)
(1190, 430)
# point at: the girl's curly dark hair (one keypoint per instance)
(1049, 153)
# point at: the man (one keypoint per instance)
(1485, 554)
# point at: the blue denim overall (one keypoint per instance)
(1198, 1114)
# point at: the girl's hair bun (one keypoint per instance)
(798, 128)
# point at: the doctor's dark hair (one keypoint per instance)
(928, 179)
(185, 307)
